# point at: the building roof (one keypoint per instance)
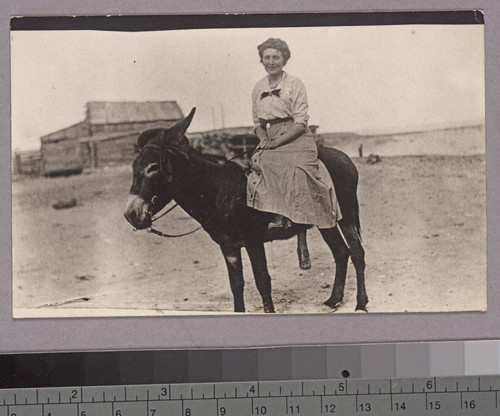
(100, 112)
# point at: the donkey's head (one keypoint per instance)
(153, 171)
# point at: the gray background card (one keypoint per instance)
(229, 331)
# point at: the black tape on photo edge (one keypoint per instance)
(207, 21)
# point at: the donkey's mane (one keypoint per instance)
(203, 158)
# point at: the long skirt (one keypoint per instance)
(290, 180)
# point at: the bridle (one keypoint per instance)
(153, 218)
(154, 198)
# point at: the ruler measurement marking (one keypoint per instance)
(462, 386)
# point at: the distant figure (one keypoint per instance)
(360, 150)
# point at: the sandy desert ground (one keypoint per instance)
(423, 225)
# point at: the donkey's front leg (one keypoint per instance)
(257, 255)
(232, 255)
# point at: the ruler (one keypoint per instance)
(450, 396)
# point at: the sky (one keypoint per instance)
(360, 78)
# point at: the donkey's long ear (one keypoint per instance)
(176, 132)
(146, 136)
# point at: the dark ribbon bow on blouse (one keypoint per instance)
(268, 94)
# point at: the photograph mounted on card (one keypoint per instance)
(230, 167)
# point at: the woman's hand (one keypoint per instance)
(268, 145)
(286, 137)
(261, 134)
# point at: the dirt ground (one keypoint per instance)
(423, 225)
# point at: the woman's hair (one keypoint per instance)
(277, 44)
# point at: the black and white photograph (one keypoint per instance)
(292, 170)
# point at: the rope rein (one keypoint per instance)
(156, 217)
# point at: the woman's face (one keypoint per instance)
(273, 61)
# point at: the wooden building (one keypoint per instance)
(106, 137)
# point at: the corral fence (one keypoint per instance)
(229, 142)
(27, 162)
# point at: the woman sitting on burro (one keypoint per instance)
(287, 178)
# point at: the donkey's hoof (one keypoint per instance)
(239, 308)
(269, 310)
(361, 304)
(332, 303)
(304, 259)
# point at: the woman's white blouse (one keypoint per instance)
(292, 100)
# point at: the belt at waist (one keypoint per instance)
(268, 123)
